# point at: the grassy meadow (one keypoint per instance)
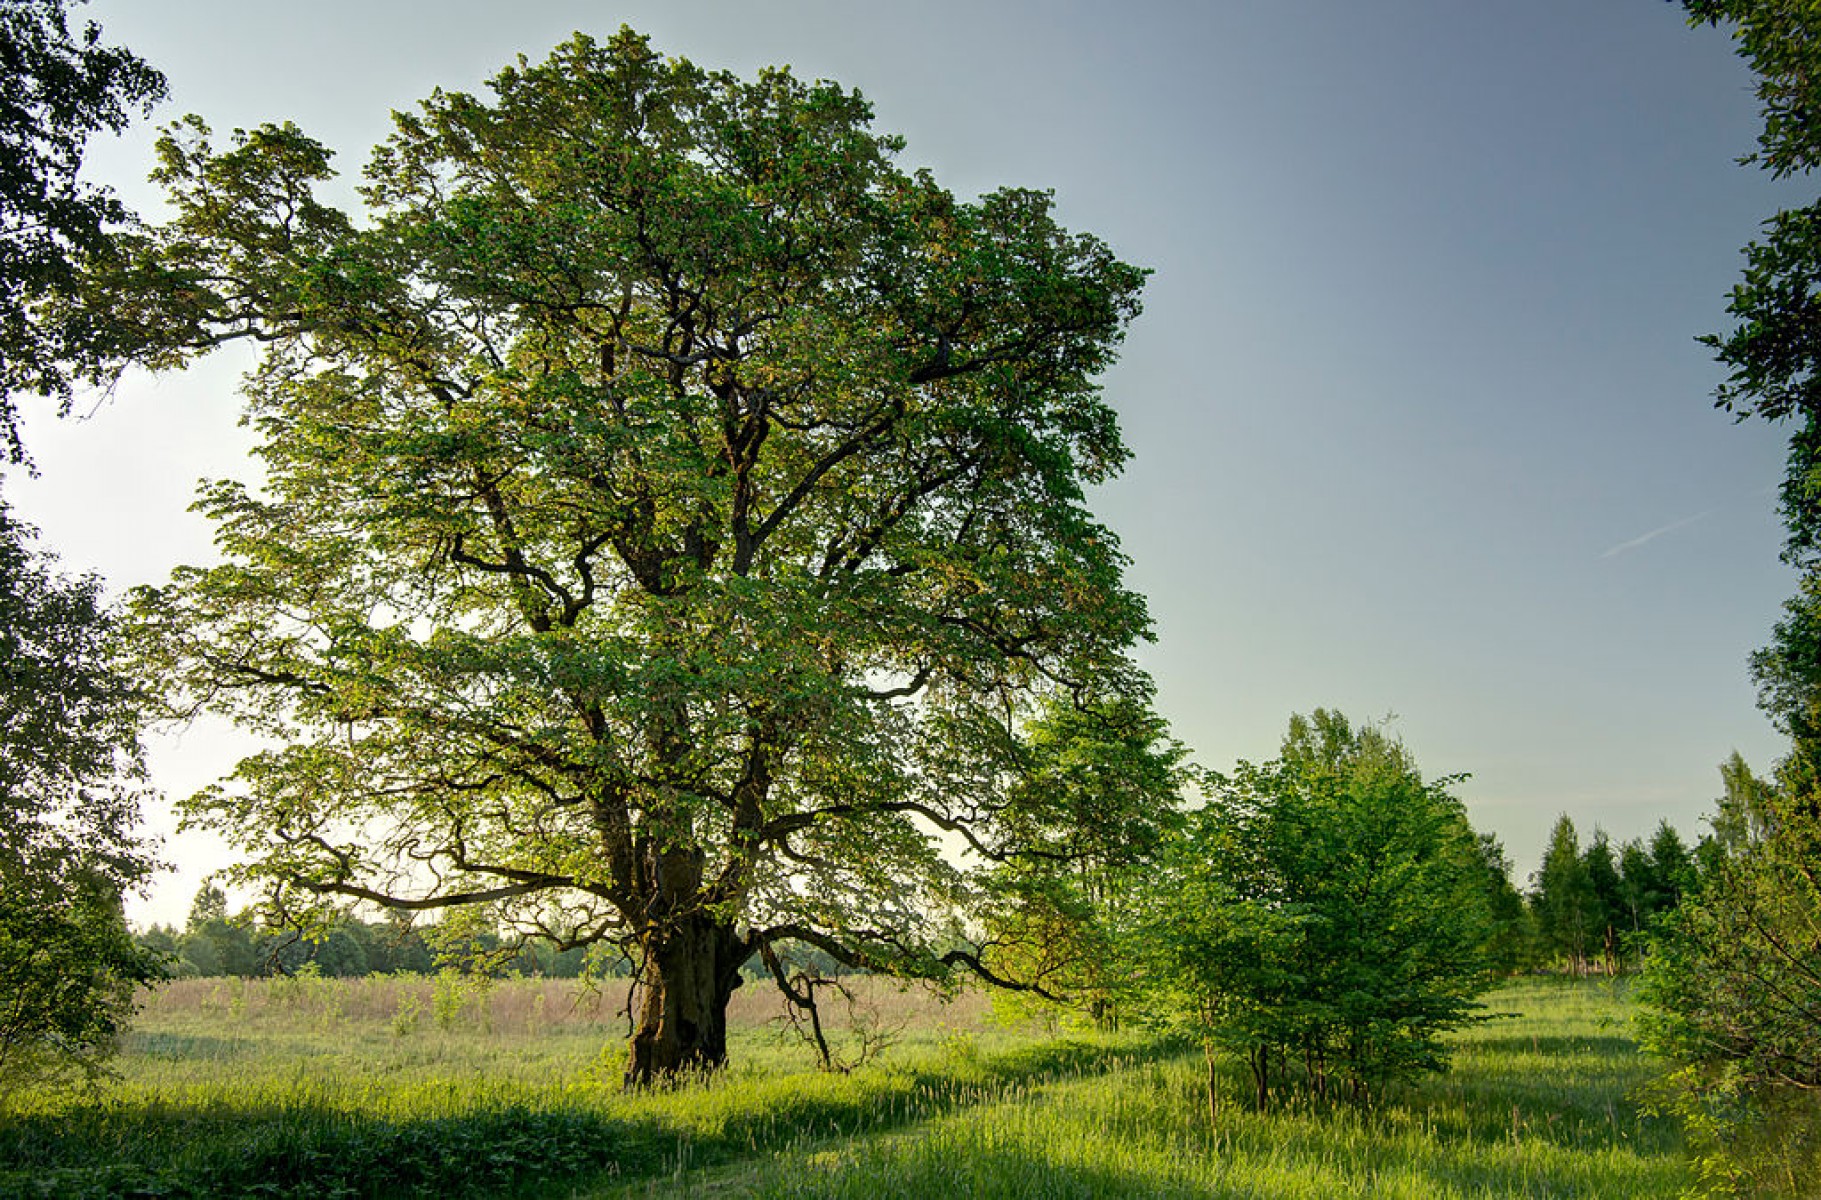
(388, 1086)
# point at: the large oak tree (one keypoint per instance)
(672, 514)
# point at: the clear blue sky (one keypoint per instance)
(1420, 426)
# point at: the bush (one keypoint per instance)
(1324, 916)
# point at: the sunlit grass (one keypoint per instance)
(1538, 1106)
(325, 1090)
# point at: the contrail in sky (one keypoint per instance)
(1654, 534)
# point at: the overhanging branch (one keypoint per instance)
(425, 903)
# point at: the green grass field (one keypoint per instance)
(385, 1087)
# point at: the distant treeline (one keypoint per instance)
(1589, 908)
(215, 942)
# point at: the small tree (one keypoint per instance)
(1654, 876)
(1563, 898)
(70, 789)
(1324, 916)
(1672, 871)
(1511, 945)
(1734, 989)
(213, 942)
(1606, 899)
(1637, 888)
(1097, 799)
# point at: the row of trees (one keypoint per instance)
(215, 942)
(1592, 906)
(1589, 907)
(1326, 916)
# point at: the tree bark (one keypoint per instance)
(690, 971)
(1207, 1050)
(1261, 1075)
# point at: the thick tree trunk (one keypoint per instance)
(691, 968)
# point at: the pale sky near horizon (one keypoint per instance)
(1419, 423)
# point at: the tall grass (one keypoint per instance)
(332, 1088)
(1538, 1105)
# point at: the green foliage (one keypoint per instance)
(1097, 798)
(457, 993)
(1775, 347)
(1563, 900)
(672, 513)
(1512, 943)
(1778, 38)
(1788, 671)
(1653, 879)
(1673, 871)
(1734, 985)
(217, 942)
(62, 87)
(69, 969)
(214, 944)
(70, 764)
(1736, 970)
(1606, 898)
(70, 787)
(1591, 905)
(1325, 915)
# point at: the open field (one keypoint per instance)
(376, 1087)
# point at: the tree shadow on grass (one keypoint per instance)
(302, 1149)
(1567, 1125)
(907, 1096)
(188, 1047)
(1439, 1162)
(286, 1150)
(1026, 1172)
(1078, 1143)
(1603, 1046)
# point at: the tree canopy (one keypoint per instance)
(1733, 985)
(672, 515)
(1065, 918)
(71, 782)
(1325, 916)
(61, 87)
(1774, 349)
